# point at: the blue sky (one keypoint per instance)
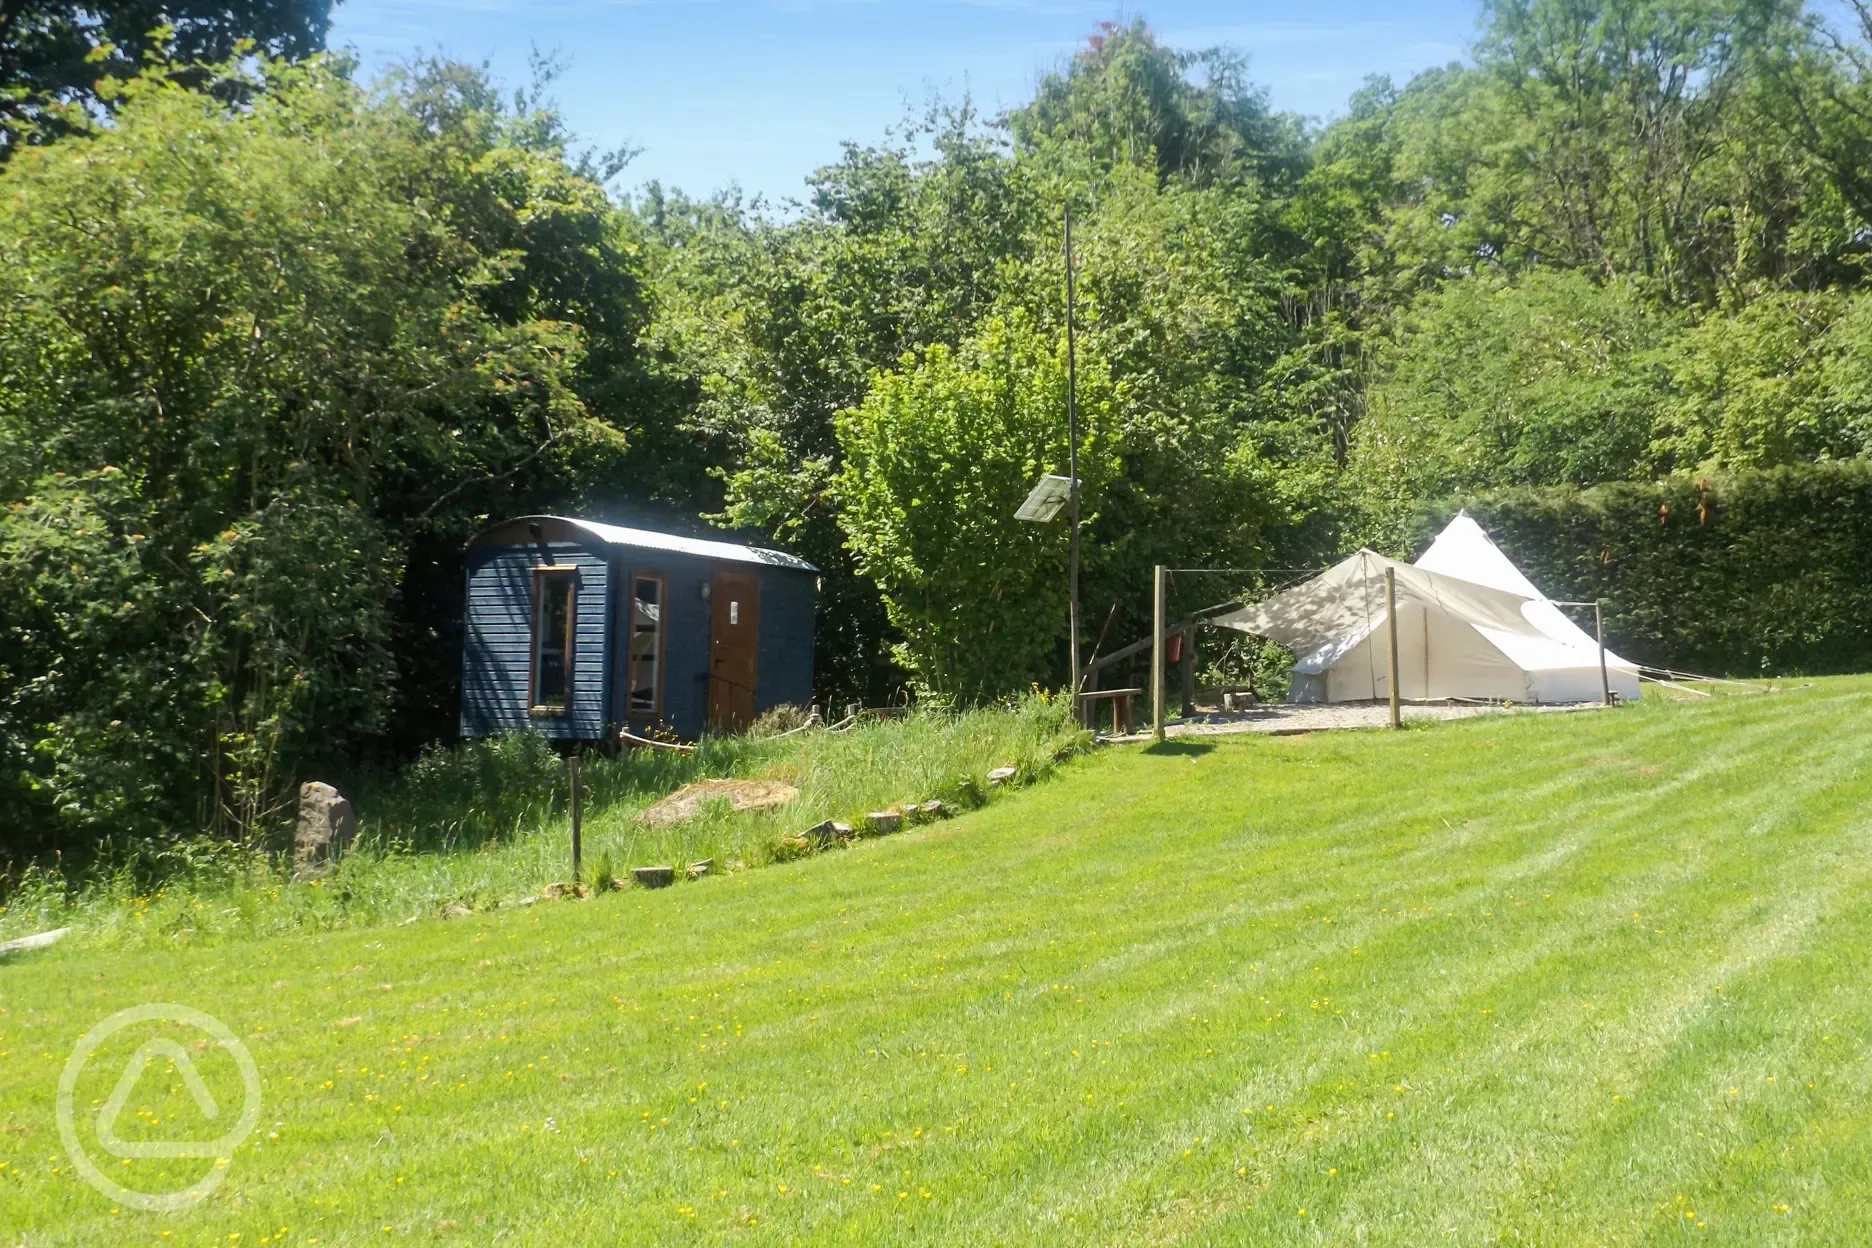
(757, 93)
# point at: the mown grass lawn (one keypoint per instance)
(1594, 978)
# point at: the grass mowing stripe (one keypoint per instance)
(849, 1027)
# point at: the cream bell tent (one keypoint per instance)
(1469, 626)
(1564, 665)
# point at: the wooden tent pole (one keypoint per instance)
(1605, 681)
(1189, 669)
(1390, 605)
(1157, 653)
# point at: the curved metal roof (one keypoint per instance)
(649, 539)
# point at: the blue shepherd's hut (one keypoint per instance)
(577, 629)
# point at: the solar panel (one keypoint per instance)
(1046, 499)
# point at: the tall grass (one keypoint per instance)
(485, 823)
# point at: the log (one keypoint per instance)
(38, 940)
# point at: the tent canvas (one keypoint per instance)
(1564, 665)
(1469, 626)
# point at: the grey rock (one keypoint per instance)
(654, 877)
(883, 822)
(327, 826)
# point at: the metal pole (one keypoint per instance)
(1157, 654)
(1072, 471)
(1390, 606)
(572, 767)
(1605, 681)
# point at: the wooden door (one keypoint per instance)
(734, 647)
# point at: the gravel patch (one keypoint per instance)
(1289, 719)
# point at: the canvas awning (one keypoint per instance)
(1323, 619)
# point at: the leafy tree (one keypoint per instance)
(54, 54)
(1630, 139)
(921, 241)
(1550, 380)
(902, 246)
(1782, 381)
(250, 356)
(1125, 100)
(936, 460)
(1819, 94)
(1203, 334)
(1615, 106)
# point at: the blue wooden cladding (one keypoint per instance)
(708, 612)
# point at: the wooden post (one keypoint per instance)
(1605, 681)
(1390, 606)
(1157, 653)
(572, 767)
(1189, 671)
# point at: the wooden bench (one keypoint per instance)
(1121, 707)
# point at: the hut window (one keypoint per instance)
(646, 645)
(554, 618)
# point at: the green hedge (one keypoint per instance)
(1759, 573)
